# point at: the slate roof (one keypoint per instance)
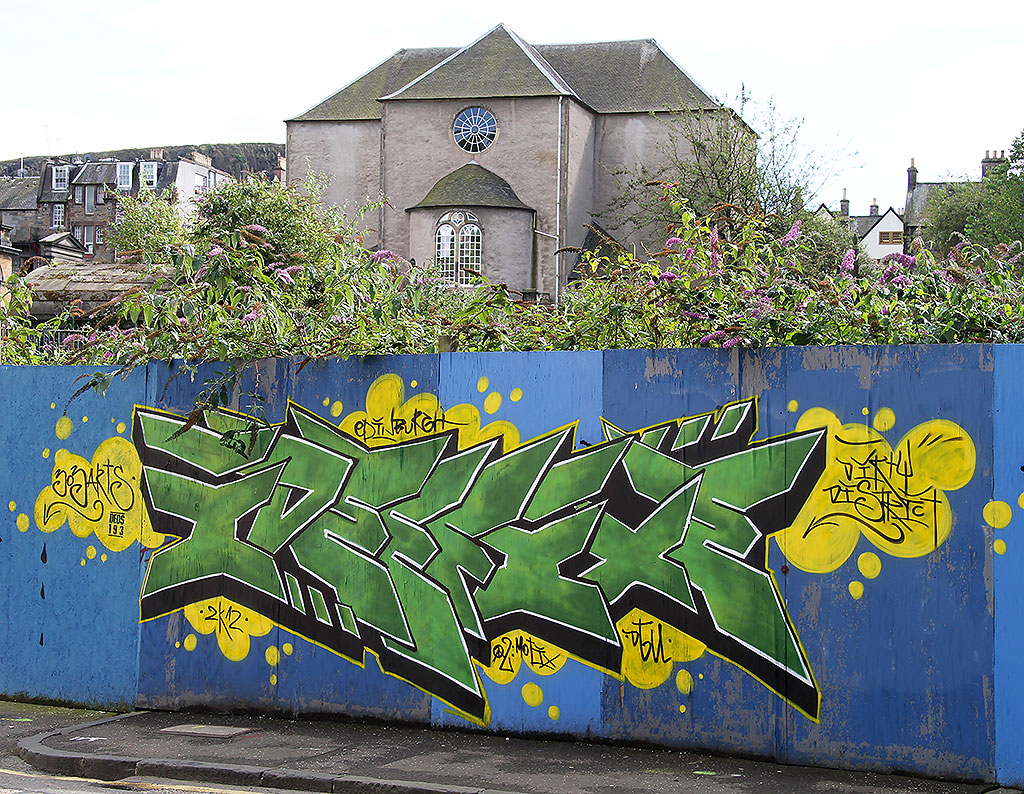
(18, 193)
(55, 286)
(358, 100)
(500, 64)
(609, 77)
(96, 174)
(472, 185)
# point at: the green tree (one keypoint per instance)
(988, 213)
(148, 226)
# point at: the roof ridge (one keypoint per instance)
(539, 62)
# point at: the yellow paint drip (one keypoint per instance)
(273, 656)
(792, 406)
(327, 401)
(482, 384)
(684, 682)
(869, 565)
(554, 712)
(121, 427)
(22, 522)
(997, 514)
(103, 558)
(273, 680)
(862, 470)
(52, 406)
(90, 552)
(233, 624)
(63, 428)
(856, 589)
(865, 411)
(999, 547)
(533, 695)
(885, 419)
(287, 648)
(12, 506)
(46, 452)
(492, 403)
(336, 408)
(414, 383)
(190, 642)
(85, 418)
(516, 395)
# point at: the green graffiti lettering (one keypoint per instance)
(424, 554)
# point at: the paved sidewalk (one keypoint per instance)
(356, 757)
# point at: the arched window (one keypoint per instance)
(458, 244)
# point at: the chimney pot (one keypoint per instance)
(986, 154)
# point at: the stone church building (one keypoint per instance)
(493, 155)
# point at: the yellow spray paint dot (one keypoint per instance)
(177, 645)
(999, 547)
(63, 428)
(85, 418)
(684, 682)
(53, 405)
(82, 562)
(856, 589)
(482, 384)
(865, 411)
(869, 564)
(273, 680)
(533, 695)
(12, 506)
(190, 642)
(90, 552)
(46, 452)
(287, 648)
(682, 708)
(414, 383)
(103, 558)
(112, 420)
(336, 408)
(327, 401)
(22, 522)
(997, 514)
(792, 406)
(516, 395)
(121, 427)
(700, 675)
(885, 419)
(554, 712)
(493, 402)
(273, 656)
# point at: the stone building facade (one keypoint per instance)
(495, 155)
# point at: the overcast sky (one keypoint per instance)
(883, 81)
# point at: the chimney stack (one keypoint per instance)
(844, 206)
(874, 207)
(156, 154)
(990, 164)
(911, 176)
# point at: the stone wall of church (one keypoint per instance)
(419, 149)
(347, 151)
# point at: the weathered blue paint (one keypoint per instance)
(1007, 582)
(79, 643)
(919, 675)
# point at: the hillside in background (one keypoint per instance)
(235, 158)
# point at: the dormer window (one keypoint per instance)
(124, 176)
(147, 175)
(60, 177)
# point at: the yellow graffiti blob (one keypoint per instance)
(389, 418)
(894, 496)
(651, 648)
(100, 497)
(533, 695)
(233, 623)
(514, 648)
(997, 514)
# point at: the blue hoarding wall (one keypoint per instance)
(805, 554)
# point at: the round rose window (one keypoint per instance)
(475, 129)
